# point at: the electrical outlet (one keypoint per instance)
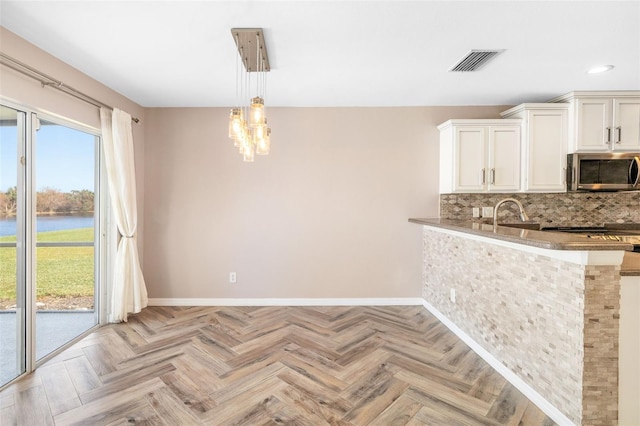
(476, 212)
(232, 277)
(487, 212)
(452, 295)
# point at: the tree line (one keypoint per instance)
(50, 200)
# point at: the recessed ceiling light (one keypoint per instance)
(600, 68)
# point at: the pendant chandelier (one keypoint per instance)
(247, 122)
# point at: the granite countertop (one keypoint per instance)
(540, 239)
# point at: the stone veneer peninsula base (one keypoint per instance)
(549, 316)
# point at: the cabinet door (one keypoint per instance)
(594, 124)
(546, 151)
(470, 169)
(504, 158)
(626, 126)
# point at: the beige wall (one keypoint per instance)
(25, 91)
(324, 216)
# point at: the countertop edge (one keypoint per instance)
(539, 239)
(528, 237)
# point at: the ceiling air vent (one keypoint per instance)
(475, 59)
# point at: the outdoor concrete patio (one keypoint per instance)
(53, 329)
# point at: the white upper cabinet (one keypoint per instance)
(626, 124)
(544, 145)
(603, 121)
(592, 126)
(504, 154)
(480, 156)
(469, 157)
(527, 149)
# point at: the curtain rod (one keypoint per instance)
(49, 81)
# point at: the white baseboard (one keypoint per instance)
(382, 301)
(549, 409)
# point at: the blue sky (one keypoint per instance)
(64, 158)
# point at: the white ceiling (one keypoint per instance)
(340, 53)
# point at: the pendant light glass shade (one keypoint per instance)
(244, 138)
(235, 125)
(264, 145)
(257, 112)
(259, 133)
(249, 152)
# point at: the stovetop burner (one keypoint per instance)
(623, 238)
(603, 233)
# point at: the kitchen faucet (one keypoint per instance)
(523, 215)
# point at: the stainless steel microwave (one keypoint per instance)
(603, 171)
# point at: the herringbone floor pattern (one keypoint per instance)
(269, 365)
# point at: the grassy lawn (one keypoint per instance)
(60, 272)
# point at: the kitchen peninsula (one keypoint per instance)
(542, 307)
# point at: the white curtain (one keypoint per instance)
(127, 290)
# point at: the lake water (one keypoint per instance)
(48, 223)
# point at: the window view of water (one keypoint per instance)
(48, 223)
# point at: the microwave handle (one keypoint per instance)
(636, 160)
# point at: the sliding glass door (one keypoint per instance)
(65, 169)
(12, 245)
(49, 240)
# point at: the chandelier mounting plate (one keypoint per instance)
(248, 41)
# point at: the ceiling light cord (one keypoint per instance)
(263, 74)
(237, 76)
(257, 64)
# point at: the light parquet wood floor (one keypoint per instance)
(392, 365)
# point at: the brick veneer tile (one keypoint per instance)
(553, 323)
(601, 327)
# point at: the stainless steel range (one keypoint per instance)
(631, 236)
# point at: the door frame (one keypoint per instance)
(105, 230)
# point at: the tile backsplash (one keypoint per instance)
(549, 209)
